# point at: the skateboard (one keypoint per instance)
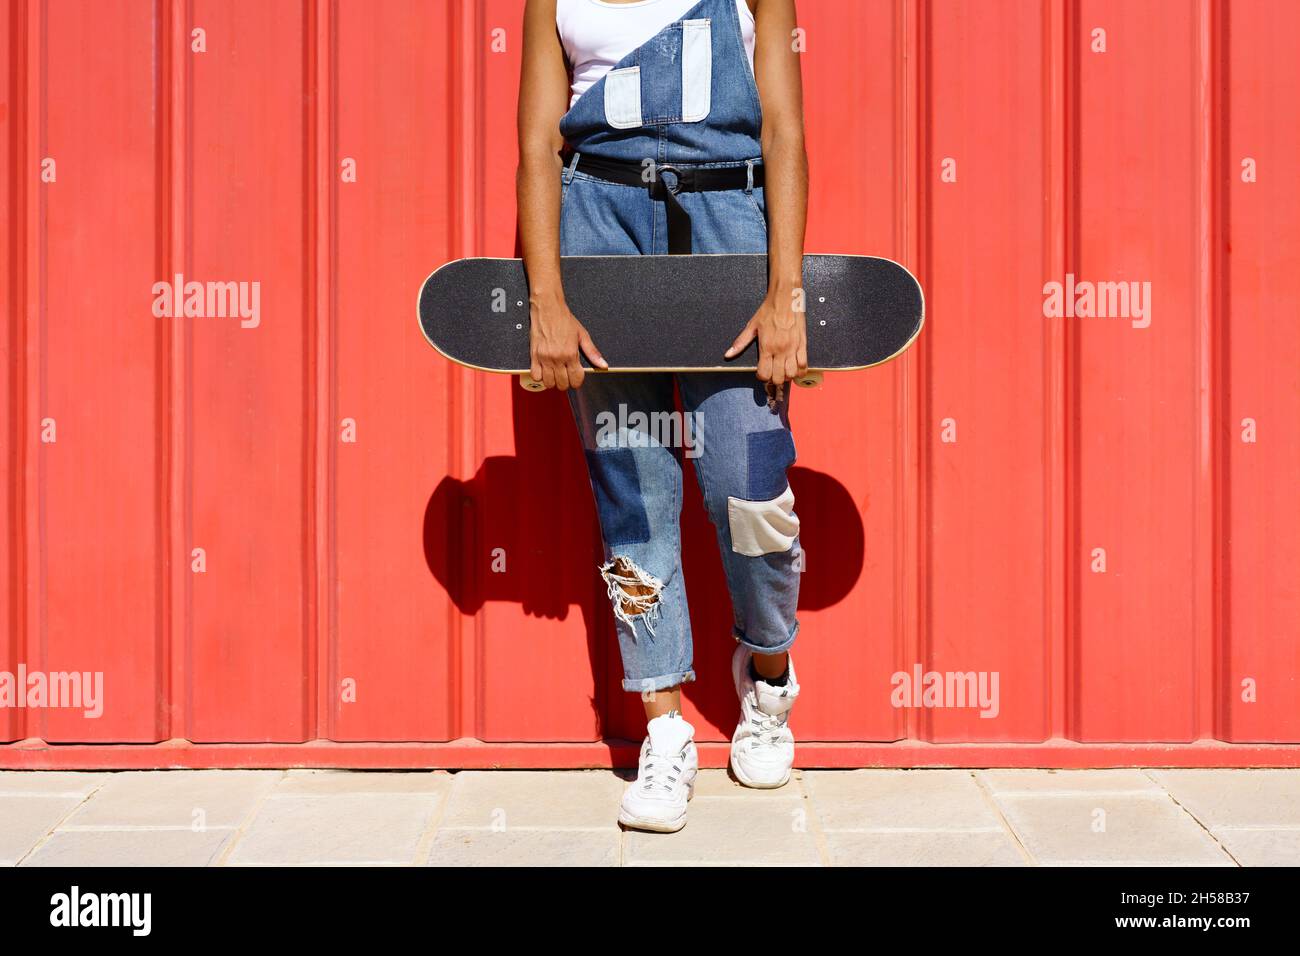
(672, 313)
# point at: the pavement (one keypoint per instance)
(823, 817)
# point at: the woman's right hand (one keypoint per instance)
(556, 339)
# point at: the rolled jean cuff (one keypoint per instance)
(645, 684)
(767, 648)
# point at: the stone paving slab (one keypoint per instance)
(899, 799)
(923, 848)
(585, 799)
(722, 831)
(520, 847)
(348, 828)
(131, 848)
(352, 781)
(720, 783)
(1066, 781)
(25, 821)
(1236, 798)
(52, 782)
(1109, 829)
(1261, 847)
(176, 798)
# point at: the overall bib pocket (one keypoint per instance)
(668, 79)
(623, 98)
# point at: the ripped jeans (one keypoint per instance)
(741, 449)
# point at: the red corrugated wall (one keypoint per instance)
(1103, 514)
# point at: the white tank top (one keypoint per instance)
(597, 34)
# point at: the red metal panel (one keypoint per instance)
(1260, 533)
(96, 364)
(248, 390)
(1136, 467)
(987, 421)
(399, 555)
(393, 627)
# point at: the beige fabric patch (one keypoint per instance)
(763, 527)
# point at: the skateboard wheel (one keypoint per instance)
(809, 379)
(526, 381)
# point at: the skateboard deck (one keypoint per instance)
(672, 313)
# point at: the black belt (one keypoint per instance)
(666, 181)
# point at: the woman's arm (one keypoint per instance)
(556, 336)
(779, 322)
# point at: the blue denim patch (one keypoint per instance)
(769, 454)
(618, 496)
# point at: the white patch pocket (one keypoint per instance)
(623, 97)
(697, 70)
(762, 527)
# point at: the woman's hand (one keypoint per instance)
(555, 339)
(782, 337)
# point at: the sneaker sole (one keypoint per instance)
(753, 784)
(651, 826)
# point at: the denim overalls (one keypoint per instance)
(685, 97)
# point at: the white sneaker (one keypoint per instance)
(762, 748)
(665, 777)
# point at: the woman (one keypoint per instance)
(641, 133)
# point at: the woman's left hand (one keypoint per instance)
(782, 338)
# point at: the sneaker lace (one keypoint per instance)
(651, 768)
(767, 726)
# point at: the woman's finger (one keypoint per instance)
(742, 340)
(589, 349)
(576, 373)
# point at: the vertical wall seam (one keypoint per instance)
(1073, 511)
(308, 444)
(902, 617)
(175, 229)
(477, 381)
(314, 453)
(160, 79)
(320, 691)
(454, 532)
(33, 358)
(310, 700)
(184, 253)
(461, 410)
(1222, 444)
(904, 573)
(916, 368)
(1056, 424)
(19, 424)
(1205, 563)
(329, 605)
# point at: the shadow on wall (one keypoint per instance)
(538, 505)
